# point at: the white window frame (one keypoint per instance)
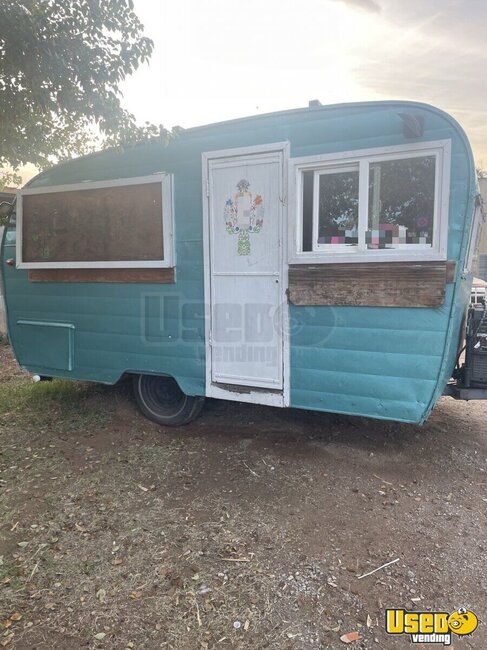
(332, 253)
(166, 181)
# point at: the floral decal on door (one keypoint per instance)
(244, 215)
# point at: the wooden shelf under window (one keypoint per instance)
(142, 276)
(372, 284)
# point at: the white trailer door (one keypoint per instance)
(246, 233)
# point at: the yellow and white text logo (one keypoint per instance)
(431, 627)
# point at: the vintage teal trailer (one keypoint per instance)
(317, 258)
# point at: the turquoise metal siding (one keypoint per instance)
(378, 362)
(49, 344)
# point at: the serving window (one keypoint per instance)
(124, 223)
(389, 203)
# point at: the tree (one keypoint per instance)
(401, 191)
(61, 65)
(9, 178)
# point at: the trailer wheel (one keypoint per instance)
(160, 399)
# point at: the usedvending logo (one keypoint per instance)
(431, 627)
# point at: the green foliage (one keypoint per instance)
(405, 193)
(9, 178)
(338, 199)
(407, 190)
(61, 64)
(72, 405)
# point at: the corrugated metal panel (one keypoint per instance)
(378, 362)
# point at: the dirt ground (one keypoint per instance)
(247, 529)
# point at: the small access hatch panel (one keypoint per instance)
(42, 344)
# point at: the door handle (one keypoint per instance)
(10, 261)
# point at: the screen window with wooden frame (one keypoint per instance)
(116, 224)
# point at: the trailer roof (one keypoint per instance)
(119, 162)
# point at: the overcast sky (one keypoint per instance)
(220, 59)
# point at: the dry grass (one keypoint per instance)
(146, 565)
(246, 530)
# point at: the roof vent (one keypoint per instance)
(314, 103)
(413, 125)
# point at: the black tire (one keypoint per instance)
(161, 400)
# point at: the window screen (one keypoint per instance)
(338, 207)
(401, 202)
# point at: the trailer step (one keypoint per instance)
(465, 393)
